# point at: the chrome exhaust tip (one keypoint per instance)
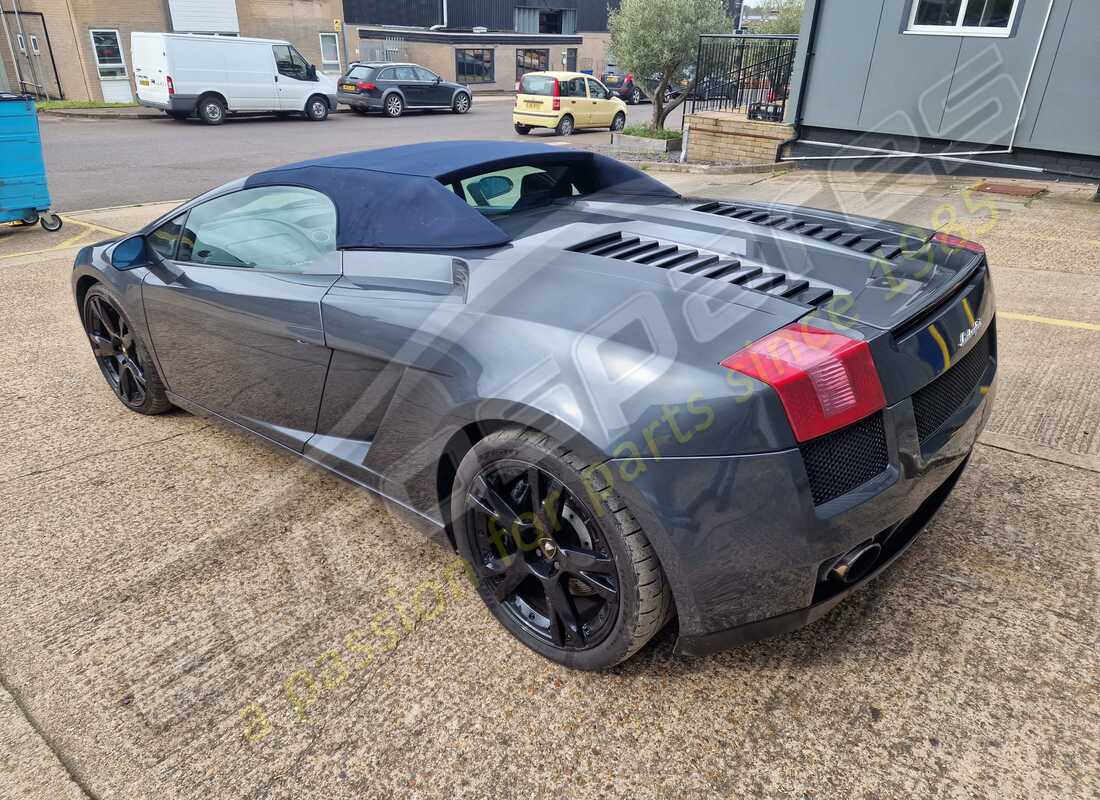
(856, 564)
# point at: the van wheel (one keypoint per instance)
(317, 108)
(565, 126)
(395, 106)
(212, 110)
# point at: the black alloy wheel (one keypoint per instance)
(556, 556)
(635, 96)
(121, 357)
(542, 556)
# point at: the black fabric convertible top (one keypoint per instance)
(396, 197)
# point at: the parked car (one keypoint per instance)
(565, 101)
(622, 85)
(620, 405)
(394, 88)
(215, 76)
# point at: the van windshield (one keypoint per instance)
(537, 84)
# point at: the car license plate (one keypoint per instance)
(143, 82)
(611, 80)
(532, 103)
(347, 87)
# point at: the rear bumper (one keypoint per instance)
(536, 119)
(176, 103)
(746, 549)
(359, 101)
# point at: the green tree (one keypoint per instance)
(657, 40)
(780, 16)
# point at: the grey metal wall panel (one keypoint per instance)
(527, 20)
(496, 15)
(1068, 117)
(842, 57)
(414, 13)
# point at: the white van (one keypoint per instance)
(211, 76)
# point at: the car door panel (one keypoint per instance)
(603, 108)
(411, 87)
(245, 344)
(574, 101)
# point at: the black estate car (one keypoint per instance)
(392, 88)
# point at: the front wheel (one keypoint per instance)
(619, 122)
(121, 355)
(557, 557)
(522, 130)
(565, 126)
(461, 104)
(316, 109)
(635, 96)
(395, 106)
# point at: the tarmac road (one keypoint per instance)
(97, 163)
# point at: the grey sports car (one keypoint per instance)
(622, 406)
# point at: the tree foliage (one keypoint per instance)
(657, 40)
(780, 16)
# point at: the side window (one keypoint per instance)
(424, 74)
(404, 74)
(574, 87)
(163, 240)
(278, 228)
(289, 62)
(386, 75)
(596, 90)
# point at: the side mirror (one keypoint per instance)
(438, 80)
(311, 72)
(131, 253)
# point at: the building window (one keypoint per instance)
(330, 51)
(963, 17)
(531, 61)
(108, 54)
(22, 42)
(474, 66)
(34, 45)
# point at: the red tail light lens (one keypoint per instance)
(556, 93)
(365, 86)
(824, 380)
(171, 86)
(947, 240)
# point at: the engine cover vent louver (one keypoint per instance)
(675, 258)
(860, 239)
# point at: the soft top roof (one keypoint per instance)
(396, 197)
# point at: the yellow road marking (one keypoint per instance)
(72, 241)
(943, 345)
(1064, 323)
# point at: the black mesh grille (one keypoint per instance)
(843, 460)
(935, 403)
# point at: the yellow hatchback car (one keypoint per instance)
(565, 101)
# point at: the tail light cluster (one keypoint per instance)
(366, 86)
(171, 86)
(824, 379)
(956, 242)
(556, 94)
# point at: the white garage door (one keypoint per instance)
(204, 16)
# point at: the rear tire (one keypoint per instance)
(565, 126)
(522, 130)
(638, 601)
(394, 106)
(211, 110)
(316, 109)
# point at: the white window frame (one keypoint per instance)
(21, 41)
(958, 29)
(34, 45)
(121, 55)
(321, 41)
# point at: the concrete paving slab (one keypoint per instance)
(28, 768)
